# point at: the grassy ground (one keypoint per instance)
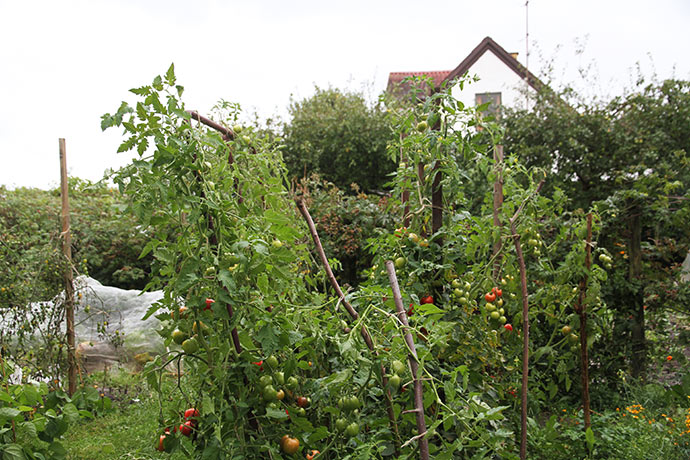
(128, 432)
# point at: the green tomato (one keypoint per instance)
(279, 377)
(352, 430)
(292, 383)
(190, 346)
(270, 393)
(400, 262)
(179, 336)
(351, 403)
(456, 284)
(398, 367)
(395, 381)
(341, 424)
(272, 362)
(265, 380)
(495, 315)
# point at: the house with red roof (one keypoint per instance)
(503, 80)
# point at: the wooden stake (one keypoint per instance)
(67, 277)
(413, 361)
(498, 204)
(525, 324)
(581, 309)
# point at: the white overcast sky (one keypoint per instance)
(63, 63)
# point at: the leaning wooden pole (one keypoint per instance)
(68, 278)
(581, 309)
(414, 363)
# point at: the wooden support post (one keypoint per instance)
(525, 324)
(68, 278)
(437, 201)
(581, 309)
(498, 204)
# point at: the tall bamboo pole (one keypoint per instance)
(67, 276)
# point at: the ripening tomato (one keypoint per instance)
(311, 455)
(290, 445)
(209, 302)
(302, 401)
(160, 447)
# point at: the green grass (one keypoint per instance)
(128, 432)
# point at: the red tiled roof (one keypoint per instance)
(440, 76)
(437, 76)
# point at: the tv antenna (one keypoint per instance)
(526, 54)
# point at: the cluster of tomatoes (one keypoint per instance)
(271, 388)
(186, 428)
(494, 306)
(181, 334)
(411, 237)
(349, 405)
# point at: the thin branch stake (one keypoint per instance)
(413, 361)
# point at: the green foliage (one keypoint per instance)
(105, 243)
(629, 158)
(34, 418)
(274, 354)
(340, 136)
(345, 223)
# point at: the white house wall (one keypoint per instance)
(494, 77)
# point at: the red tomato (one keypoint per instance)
(509, 327)
(191, 413)
(186, 428)
(490, 297)
(426, 299)
(208, 304)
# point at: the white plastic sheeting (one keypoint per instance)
(109, 327)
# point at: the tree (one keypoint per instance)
(339, 135)
(630, 156)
